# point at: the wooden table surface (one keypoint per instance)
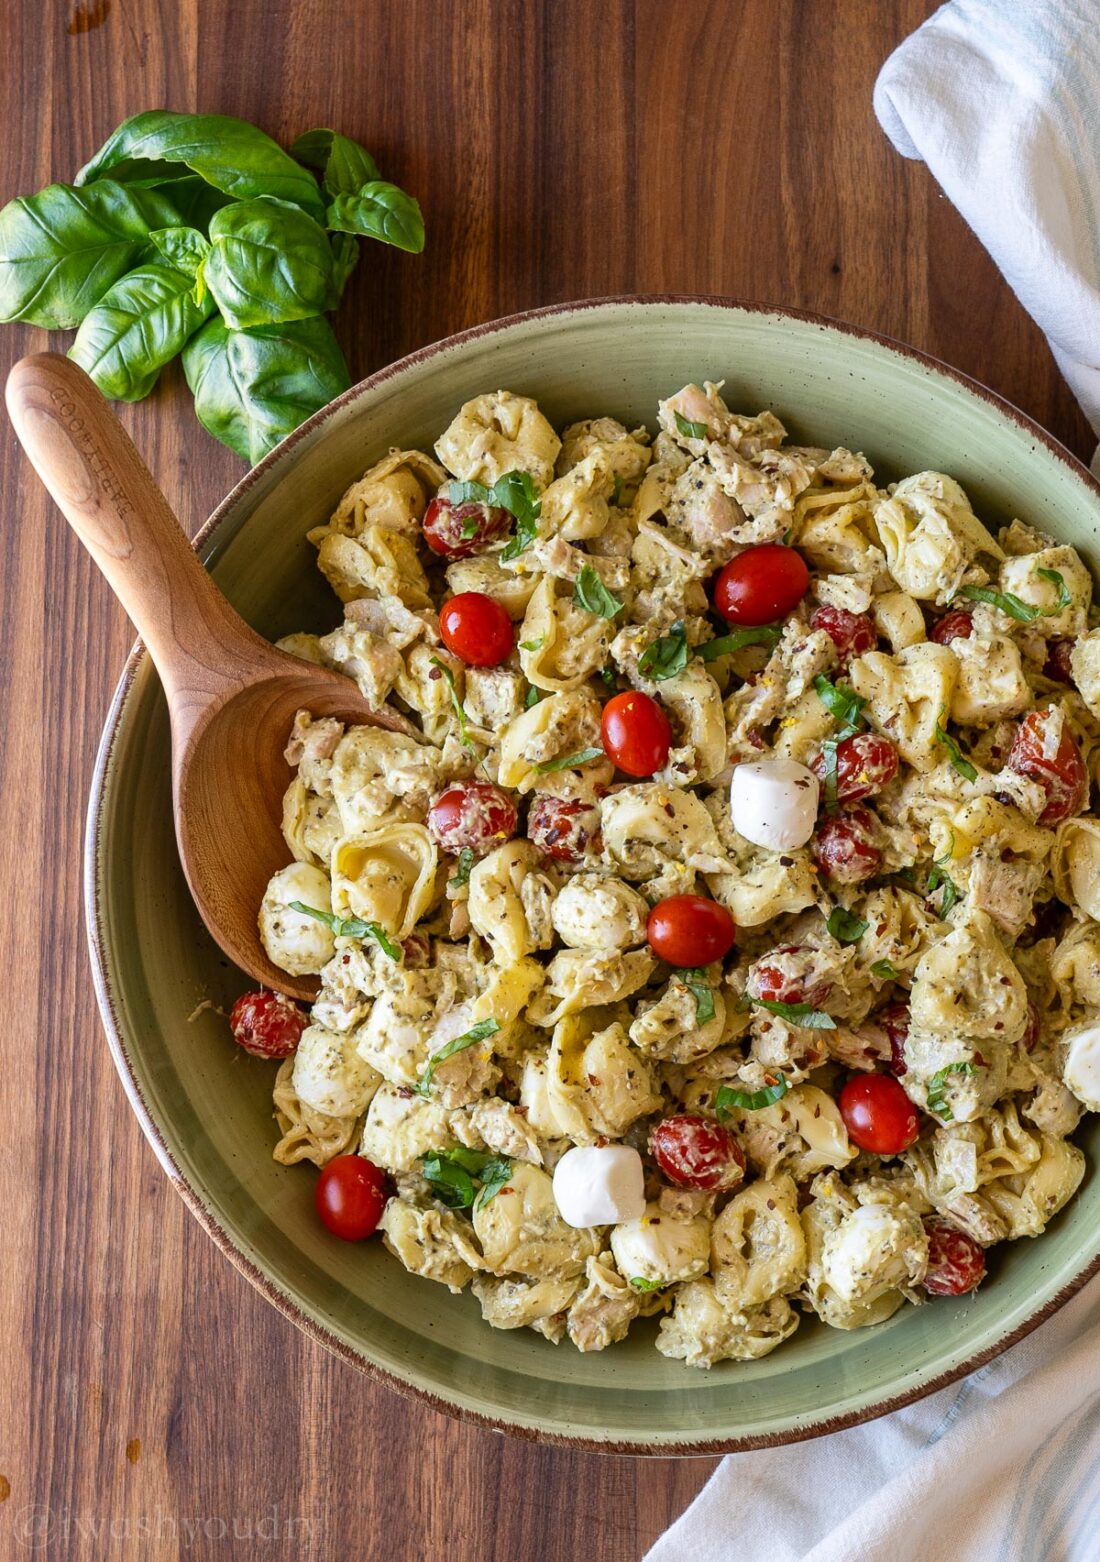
(150, 1399)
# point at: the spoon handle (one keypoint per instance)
(106, 493)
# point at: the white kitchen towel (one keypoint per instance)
(1002, 1467)
(1001, 98)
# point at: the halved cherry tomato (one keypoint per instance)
(477, 629)
(865, 763)
(457, 530)
(267, 1024)
(472, 815)
(956, 1264)
(844, 846)
(851, 633)
(690, 930)
(783, 977)
(636, 733)
(762, 584)
(956, 625)
(1057, 665)
(878, 1115)
(562, 827)
(1062, 775)
(351, 1195)
(894, 1020)
(696, 1152)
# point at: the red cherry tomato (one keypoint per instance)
(690, 930)
(1062, 775)
(762, 584)
(956, 1264)
(636, 733)
(782, 977)
(851, 633)
(562, 827)
(894, 1020)
(473, 815)
(956, 625)
(351, 1195)
(865, 763)
(267, 1024)
(1030, 1038)
(457, 530)
(844, 846)
(477, 629)
(696, 1152)
(878, 1115)
(1057, 665)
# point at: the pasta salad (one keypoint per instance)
(710, 928)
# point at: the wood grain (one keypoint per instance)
(560, 150)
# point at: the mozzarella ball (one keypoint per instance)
(592, 912)
(599, 1185)
(874, 1249)
(661, 1247)
(773, 803)
(294, 941)
(329, 1075)
(1081, 1069)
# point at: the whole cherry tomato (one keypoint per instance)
(865, 763)
(844, 846)
(267, 1024)
(472, 815)
(689, 930)
(956, 625)
(762, 584)
(956, 1264)
(696, 1152)
(562, 827)
(636, 733)
(878, 1115)
(783, 976)
(851, 633)
(351, 1195)
(894, 1020)
(458, 530)
(1062, 775)
(477, 629)
(1057, 665)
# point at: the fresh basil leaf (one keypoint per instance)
(345, 258)
(252, 388)
(343, 164)
(609, 674)
(724, 645)
(592, 595)
(695, 980)
(469, 1038)
(469, 527)
(516, 493)
(180, 246)
(640, 1283)
(228, 153)
(495, 1175)
(269, 262)
(379, 210)
(1022, 611)
(798, 1013)
(690, 430)
(749, 1100)
(568, 761)
(937, 878)
(195, 201)
(60, 250)
(451, 1183)
(351, 927)
(845, 926)
(884, 969)
(843, 704)
(1065, 596)
(457, 493)
(954, 752)
(937, 1100)
(828, 754)
(617, 488)
(532, 697)
(138, 326)
(533, 645)
(666, 656)
(456, 704)
(466, 860)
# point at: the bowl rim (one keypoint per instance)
(113, 1027)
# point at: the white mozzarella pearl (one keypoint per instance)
(599, 1185)
(661, 1247)
(773, 803)
(294, 941)
(1081, 1070)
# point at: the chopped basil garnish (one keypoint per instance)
(749, 1100)
(469, 527)
(459, 708)
(695, 980)
(937, 878)
(532, 697)
(514, 492)
(691, 430)
(466, 860)
(798, 1013)
(462, 1178)
(568, 761)
(351, 927)
(640, 1283)
(1065, 596)
(954, 752)
(592, 595)
(846, 707)
(617, 488)
(667, 656)
(884, 969)
(533, 645)
(479, 1032)
(609, 674)
(845, 926)
(1014, 606)
(765, 634)
(937, 1101)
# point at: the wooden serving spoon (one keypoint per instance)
(231, 695)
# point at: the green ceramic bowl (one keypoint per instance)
(206, 1107)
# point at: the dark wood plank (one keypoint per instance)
(560, 150)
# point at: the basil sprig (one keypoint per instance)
(845, 926)
(749, 1100)
(689, 430)
(937, 1101)
(803, 1014)
(592, 595)
(514, 492)
(351, 927)
(695, 980)
(725, 645)
(938, 879)
(954, 752)
(463, 866)
(568, 761)
(479, 1032)
(667, 655)
(465, 1179)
